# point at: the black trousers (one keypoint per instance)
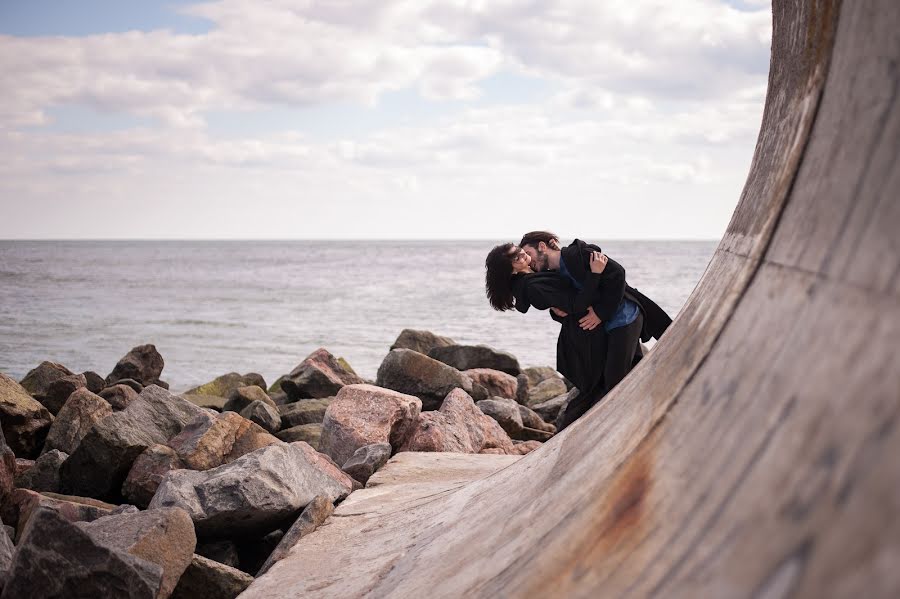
(622, 353)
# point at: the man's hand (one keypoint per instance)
(598, 262)
(559, 312)
(591, 321)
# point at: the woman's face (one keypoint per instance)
(521, 262)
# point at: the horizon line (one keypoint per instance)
(334, 238)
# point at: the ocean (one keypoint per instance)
(212, 307)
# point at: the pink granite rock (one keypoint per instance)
(319, 375)
(361, 415)
(147, 473)
(210, 441)
(497, 383)
(24, 420)
(81, 411)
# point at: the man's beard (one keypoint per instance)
(543, 263)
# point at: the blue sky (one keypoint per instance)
(390, 119)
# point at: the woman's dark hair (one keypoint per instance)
(535, 237)
(498, 277)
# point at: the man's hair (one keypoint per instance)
(498, 277)
(535, 237)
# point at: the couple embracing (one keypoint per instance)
(603, 319)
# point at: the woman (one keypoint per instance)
(511, 283)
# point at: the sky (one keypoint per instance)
(382, 119)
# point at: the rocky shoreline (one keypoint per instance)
(115, 487)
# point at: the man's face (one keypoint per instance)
(538, 261)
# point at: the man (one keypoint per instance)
(622, 313)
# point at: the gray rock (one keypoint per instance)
(44, 475)
(550, 409)
(24, 421)
(60, 390)
(412, 373)
(7, 549)
(420, 341)
(305, 411)
(320, 374)
(465, 357)
(313, 515)
(224, 552)
(505, 412)
(22, 504)
(242, 397)
(95, 382)
(264, 414)
(208, 579)
(79, 414)
(100, 463)
(366, 460)
(9, 530)
(531, 419)
(136, 386)
(212, 402)
(39, 379)
(56, 559)
(8, 469)
(543, 391)
(143, 364)
(147, 473)
(119, 396)
(164, 537)
(222, 386)
(308, 433)
(254, 493)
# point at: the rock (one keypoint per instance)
(79, 414)
(164, 537)
(223, 386)
(319, 375)
(420, 341)
(533, 434)
(209, 441)
(466, 357)
(550, 409)
(495, 382)
(224, 552)
(23, 419)
(95, 382)
(506, 413)
(135, 385)
(207, 579)
(9, 530)
(143, 364)
(523, 447)
(459, 426)
(38, 380)
(312, 517)
(22, 503)
(147, 473)
(7, 550)
(254, 552)
(23, 466)
(531, 419)
(416, 374)
(543, 391)
(361, 415)
(8, 469)
(100, 463)
(264, 414)
(119, 396)
(44, 475)
(276, 393)
(211, 402)
(305, 411)
(255, 493)
(366, 460)
(309, 433)
(242, 397)
(60, 390)
(57, 559)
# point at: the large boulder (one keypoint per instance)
(119, 396)
(308, 433)
(305, 411)
(164, 537)
(420, 341)
(100, 463)
(264, 414)
(24, 421)
(39, 379)
(366, 460)
(147, 473)
(412, 373)
(57, 559)
(79, 414)
(60, 390)
(208, 579)
(7, 550)
(7, 468)
(212, 440)
(361, 415)
(44, 474)
(253, 494)
(22, 503)
(242, 397)
(222, 386)
(143, 364)
(466, 357)
(319, 375)
(505, 412)
(495, 382)
(459, 426)
(313, 515)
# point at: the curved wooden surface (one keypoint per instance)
(755, 452)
